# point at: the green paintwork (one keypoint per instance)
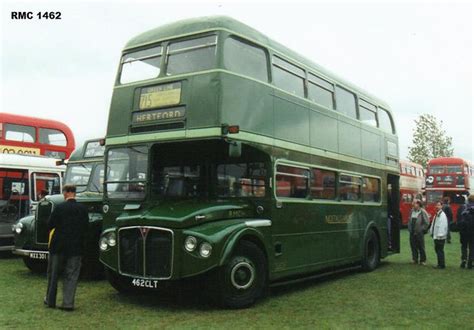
(216, 97)
(223, 23)
(282, 127)
(181, 214)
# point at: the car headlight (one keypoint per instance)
(18, 228)
(103, 243)
(205, 250)
(190, 243)
(111, 239)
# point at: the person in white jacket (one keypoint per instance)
(439, 232)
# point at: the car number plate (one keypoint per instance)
(144, 283)
(38, 255)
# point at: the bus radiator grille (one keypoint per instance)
(145, 253)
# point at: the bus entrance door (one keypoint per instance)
(393, 213)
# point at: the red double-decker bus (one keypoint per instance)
(448, 177)
(411, 187)
(35, 136)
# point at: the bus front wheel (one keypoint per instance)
(371, 257)
(243, 279)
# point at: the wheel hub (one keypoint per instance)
(242, 275)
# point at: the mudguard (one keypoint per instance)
(234, 240)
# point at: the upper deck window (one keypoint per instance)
(345, 102)
(454, 169)
(367, 113)
(52, 137)
(385, 121)
(246, 59)
(19, 133)
(191, 55)
(320, 91)
(141, 65)
(94, 149)
(436, 169)
(288, 77)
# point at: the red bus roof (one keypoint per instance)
(447, 161)
(35, 146)
(37, 122)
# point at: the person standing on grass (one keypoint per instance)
(439, 233)
(449, 214)
(68, 225)
(466, 233)
(417, 226)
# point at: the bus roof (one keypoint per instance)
(201, 24)
(38, 122)
(29, 162)
(448, 161)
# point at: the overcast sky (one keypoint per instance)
(416, 56)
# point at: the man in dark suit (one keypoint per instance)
(68, 226)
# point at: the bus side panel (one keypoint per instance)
(247, 103)
(323, 129)
(291, 118)
(202, 103)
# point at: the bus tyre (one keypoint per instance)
(118, 282)
(36, 266)
(371, 257)
(243, 279)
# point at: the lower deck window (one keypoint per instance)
(292, 182)
(349, 187)
(371, 190)
(323, 184)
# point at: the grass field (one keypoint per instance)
(396, 295)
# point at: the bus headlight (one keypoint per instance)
(107, 240)
(18, 228)
(111, 239)
(103, 243)
(205, 250)
(190, 243)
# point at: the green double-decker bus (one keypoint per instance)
(232, 157)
